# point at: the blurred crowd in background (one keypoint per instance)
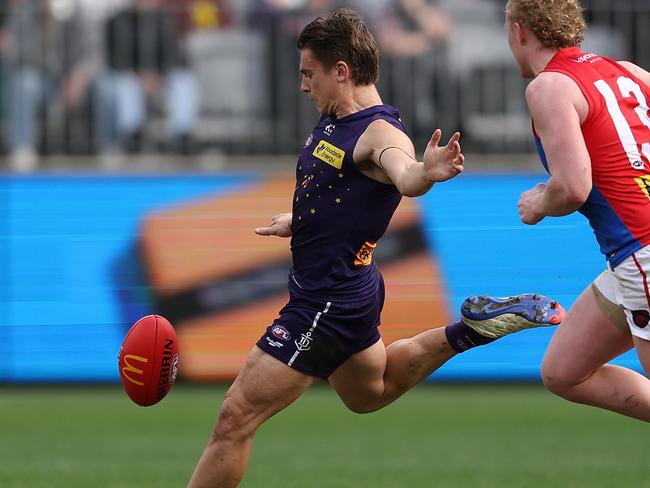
(108, 78)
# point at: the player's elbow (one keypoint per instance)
(411, 189)
(411, 192)
(568, 194)
(576, 194)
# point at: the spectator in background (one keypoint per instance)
(411, 28)
(289, 15)
(309, 10)
(41, 57)
(193, 15)
(144, 65)
(412, 35)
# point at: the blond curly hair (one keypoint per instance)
(556, 23)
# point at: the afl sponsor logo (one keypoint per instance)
(585, 57)
(641, 318)
(329, 154)
(280, 333)
(644, 184)
(130, 368)
(273, 343)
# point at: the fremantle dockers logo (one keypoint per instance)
(641, 318)
(304, 343)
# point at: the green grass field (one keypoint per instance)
(436, 436)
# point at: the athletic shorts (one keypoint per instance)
(316, 336)
(627, 286)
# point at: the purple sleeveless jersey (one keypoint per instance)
(339, 214)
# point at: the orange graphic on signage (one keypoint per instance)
(193, 246)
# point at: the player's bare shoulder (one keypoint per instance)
(550, 85)
(378, 135)
(552, 91)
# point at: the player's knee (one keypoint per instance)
(361, 406)
(235, 421)
(558, 380)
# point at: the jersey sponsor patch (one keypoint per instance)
(644, 184)
(329, 154)
(364, 255)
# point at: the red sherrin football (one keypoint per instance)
(148, 360)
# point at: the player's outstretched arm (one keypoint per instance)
(280, 226)
(557, 105)
(392, 150)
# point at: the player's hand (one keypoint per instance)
(528, 204)
(280, 226)
(443, 163)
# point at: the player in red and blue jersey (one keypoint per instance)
(592, 128)
(355, 167)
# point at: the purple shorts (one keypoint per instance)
(316, 337)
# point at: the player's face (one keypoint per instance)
(516, 48)
(318, 82)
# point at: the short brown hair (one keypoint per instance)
(556, 23)
(343, 36)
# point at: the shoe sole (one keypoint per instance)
(496, 317)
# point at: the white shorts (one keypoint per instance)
(628, 285)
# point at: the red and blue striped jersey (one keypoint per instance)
(617, 137)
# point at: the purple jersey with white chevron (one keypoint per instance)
(339, 213)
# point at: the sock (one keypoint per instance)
(462, 337)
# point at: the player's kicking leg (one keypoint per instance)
(263, 387)
(376, 376)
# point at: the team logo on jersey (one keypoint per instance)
(309, 140)
(637, 164)
(304, 343)
(329, 129)
(329, 154)
(641, 318)
(364, 255)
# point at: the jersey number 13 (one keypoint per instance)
(627, 88)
